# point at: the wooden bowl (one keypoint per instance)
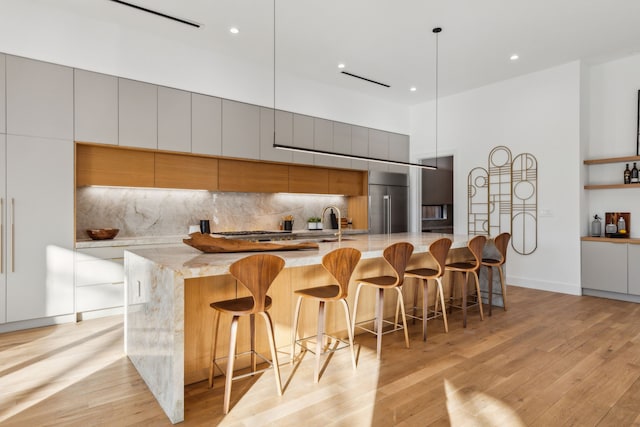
(103, 233)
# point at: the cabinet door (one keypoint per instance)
(633, 258)
(240, 130)
(187, 172)
(341, 144)
(3, 94)
(303, 138)
(399, 150)
(283, 135)
(3, 229)
(252, 177)
(379, 149)
(346, 182)
(39, 98)
(95, 107)
(97, 165)
(206, 124)
(323, 140)
(310, 180)
(604, 266)
(174, 120)
(40, 239)
(359, 146)
(137, 114)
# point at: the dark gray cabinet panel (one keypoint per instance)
(95, 107)
(137, 114)
(240, 130)
(283, 135)
(399, 150)
(323, 140)
(39, 98)
(378, 148)
(303, 137)
(3, 123)
(359, 146)
(342, 144)
(174, 120)
(206, 124)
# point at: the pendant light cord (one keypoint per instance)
(436, 31)
(274, 73)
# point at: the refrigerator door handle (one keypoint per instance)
(387, 205)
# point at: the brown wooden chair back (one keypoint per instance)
(397, 255)
(341, 263)
(439, 251)
(257, 273)
(476, 245)
(502, 242)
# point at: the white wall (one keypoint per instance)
(613, 108)
(50, 31)
(537, 113)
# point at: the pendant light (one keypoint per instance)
(437, 31)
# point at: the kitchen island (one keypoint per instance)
(168, 321)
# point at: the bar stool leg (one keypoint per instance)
(415, 303)
(464, 300)
(404, 316)
(504, 288)
(346, 316)
(355, 310)
(252, 326)
(490, 287)
(296, 318)
(379, 313)
(274, 353)
(319, 340)
(214, 344)
(444, 311)
(232, 355)
(425, 307)
(475, 275)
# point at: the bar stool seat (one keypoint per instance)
(471, 267)
(438, 251)
(501, 242)
(256, 273)
(340, 264)
(397, 256)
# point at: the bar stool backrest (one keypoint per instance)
(341, 263)
(397, 255)
(502, 242)
(439, 251)
(257, 273)
(476, 245)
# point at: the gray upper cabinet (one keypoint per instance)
(206, 124)
(359, 146)
(379, 149)
(240, 130)
(341, 144)
(283, 135)
(95, 107)
(303, 137)
(3, 123)
(323, 140)
(174, 120)
(399, 150)
(39, 98)
(138, 114)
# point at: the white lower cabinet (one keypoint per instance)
(99, 278)
(611, 270)
(37, 225)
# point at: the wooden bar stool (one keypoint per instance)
(397, 256)
(438, 251)
(256, 273)
(471, 267)
(502, 242)
(340, 263)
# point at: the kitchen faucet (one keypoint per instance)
(339, 233)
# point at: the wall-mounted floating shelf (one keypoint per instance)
(627, 159)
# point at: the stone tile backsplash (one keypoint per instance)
(140, 212)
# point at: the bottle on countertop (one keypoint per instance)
(634, 174)
(622, 226)
(334, 220)
(596, 226)
(627, 175)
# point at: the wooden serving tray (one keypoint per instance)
(209, 244)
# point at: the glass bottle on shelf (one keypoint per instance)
(622, 226)
(627, 175)
(634, 174)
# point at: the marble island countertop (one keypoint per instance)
(190, 262)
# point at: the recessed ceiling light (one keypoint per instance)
(341, 65)
(413, 89)
(234, 30)
(514, 57)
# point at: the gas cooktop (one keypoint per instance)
(247, 233)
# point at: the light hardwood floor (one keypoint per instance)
(552, 359)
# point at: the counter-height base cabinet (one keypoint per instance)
(37, 206)
(99, 278)
(611, 269)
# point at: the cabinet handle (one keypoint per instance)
(13, 235)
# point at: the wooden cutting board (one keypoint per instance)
(209, 244)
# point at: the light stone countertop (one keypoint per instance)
(190, 262)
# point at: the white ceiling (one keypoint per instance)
(392, 41)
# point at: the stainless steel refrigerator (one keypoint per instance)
(388, 202)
